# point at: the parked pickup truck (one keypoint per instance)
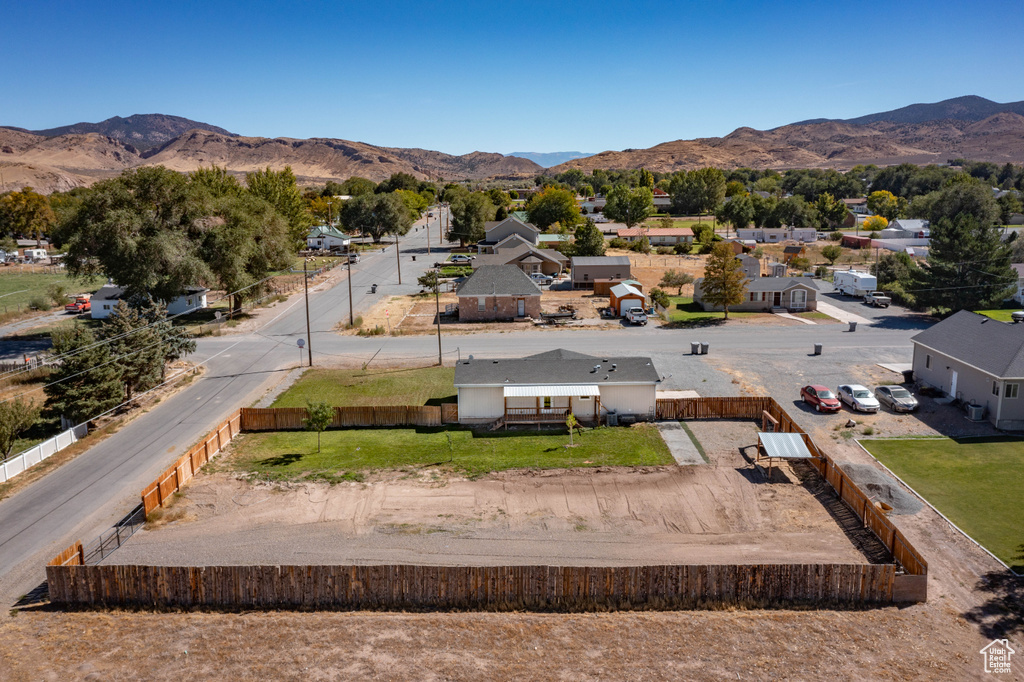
(878, 299)
(636, 316)
(81, 304)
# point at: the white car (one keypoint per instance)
(858, 398)
(461, 258)
(541, 278)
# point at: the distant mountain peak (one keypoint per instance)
(970, 108)
(142, 131)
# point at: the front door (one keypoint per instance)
(777, 301)
(521, 307)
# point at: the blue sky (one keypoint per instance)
(515, 76)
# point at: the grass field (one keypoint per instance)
(975, 482)
(346, 387)
(18, 290)
(683, 311)
(345, 454)
(1002, 315)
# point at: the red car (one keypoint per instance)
(82, 304)
(821, 397)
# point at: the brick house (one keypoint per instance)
(498, 292)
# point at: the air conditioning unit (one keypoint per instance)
(976, 413)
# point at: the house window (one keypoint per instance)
(927, 361)
(547, 403)
(586, 276)
(106, 306)
(1011, 391)
(753, 296)
(481, 304)
(995, 388)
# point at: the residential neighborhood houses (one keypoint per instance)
(105, 300)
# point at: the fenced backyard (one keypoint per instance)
(501, 587)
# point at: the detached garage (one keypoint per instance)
(625, 297)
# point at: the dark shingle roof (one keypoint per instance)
(516, 254)
(499, 280)
(792, 249)
(773, 283)
(990, 345)
(557, 367)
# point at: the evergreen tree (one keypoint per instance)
(137, 346)
(175, 343)
(86, 383)
(724, 281)
(968, 266)
(589, 240)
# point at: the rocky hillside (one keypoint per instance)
(142, 131)
(829, 144)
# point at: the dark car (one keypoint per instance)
(896, 398)
(821, 397)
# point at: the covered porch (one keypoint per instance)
(551, 404)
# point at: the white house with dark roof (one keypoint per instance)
(977, 360)
(105, 300)
(326, 238)
(546, 387)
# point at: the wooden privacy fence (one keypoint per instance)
(185, 468)
(711, 408)
(72, 556)
(291, 418)
(556, 588)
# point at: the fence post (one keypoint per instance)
(81, 554)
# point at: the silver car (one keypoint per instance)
(896, 398)
(858, 398)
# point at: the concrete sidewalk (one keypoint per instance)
(680, 444)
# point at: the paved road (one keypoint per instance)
(85, 496)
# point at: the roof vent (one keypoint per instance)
(614, 366)
(606, 377)
(494, 362)
(595, 368)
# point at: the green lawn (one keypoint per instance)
(976, 482)
(346, 387)
(683, 310)
(346, 453)
(1002, 315)
(814, 315)
(19, 289)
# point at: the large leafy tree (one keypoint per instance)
(136, 345)
(968, 266)
(724, 282)
(415, 202)
(469, 215)
(553, 205)
(698, 191)
(142, 229)
(738, 211)
(829, 211)
(399, 181)
(885, 204)
(26, 213)
(214, 182)
(16, 417)
(589, 240)
(356, 186)
(280, 190)
(629, 205)
(376, 215)
(87, 382)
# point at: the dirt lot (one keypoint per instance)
(720, 513)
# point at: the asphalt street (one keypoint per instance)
(87, 495)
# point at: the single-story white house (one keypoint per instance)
(548, 386)
(772, 235)
(326, 237)
(105, 300)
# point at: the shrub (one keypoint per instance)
(618, 243)
(376, 331)
(659, 297)
(58, 293)
(39, 302)
(682, 248)
(821, 271)
(665, 250)
(836, 236)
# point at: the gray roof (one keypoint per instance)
(491, 224)
(599, 260)
(516, 254)
(773, 283)
(112, 292)
(498, 280)
(557, 367)
(990, 345)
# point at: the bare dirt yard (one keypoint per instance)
(719, 513)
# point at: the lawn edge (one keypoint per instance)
(932, 506)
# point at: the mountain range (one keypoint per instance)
(70, 156)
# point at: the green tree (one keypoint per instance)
(724, 282)
(963, 195)
(136, 345)
(415, 203)
(499, 197)
(1008, 205)
(829, 211)
(175, 342)
(16, 417)
(26, 213)
(678, 279)
(698, 191)
(143, 230)
(968, 266)
(376, 215)
(469, 215)
(553, 205)
(885, 204)
(629, 205)
(646, 179)
(589, 240)
(326, 210)
(399, 181)
(87, 382)
(430, 280)
(280, 190)
(832, 252)
(356, 186)
(214, 182)
(319, 416)
(571, 424)
(738, 211)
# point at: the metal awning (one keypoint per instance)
(784, 445)
(581, 390)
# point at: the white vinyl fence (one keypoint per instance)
(16, 465)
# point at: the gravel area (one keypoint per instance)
(882, 487)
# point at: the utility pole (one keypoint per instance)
(428, 228)
(437, 303)
(351, 314)
(305, 285)
(398, 259)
